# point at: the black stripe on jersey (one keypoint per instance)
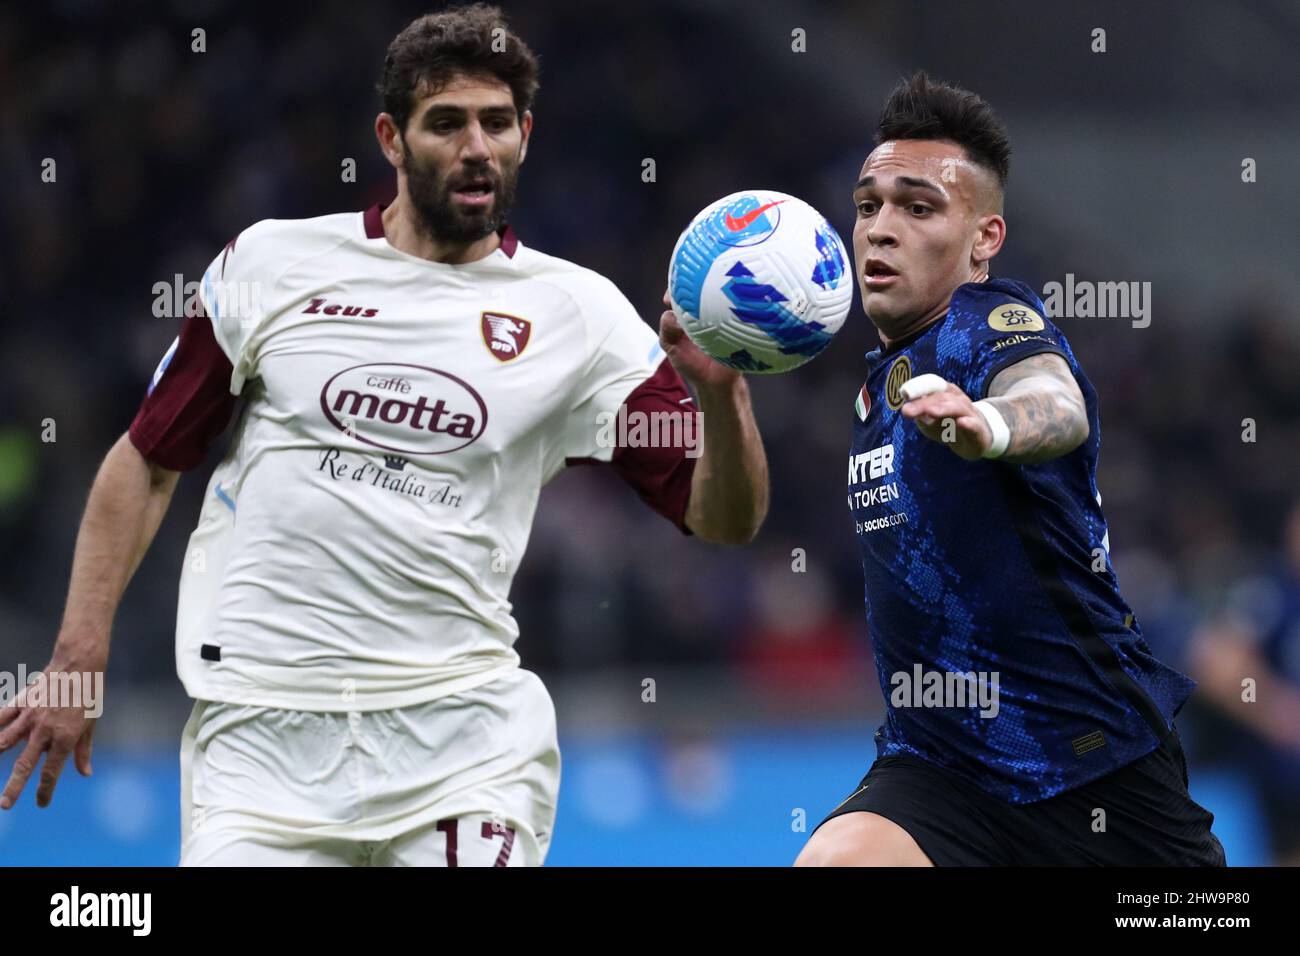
(1019, 499)
(1010, 360)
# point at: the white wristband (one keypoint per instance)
(998, 426)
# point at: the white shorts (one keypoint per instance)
(470, 779)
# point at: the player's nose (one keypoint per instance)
(476, 144)
(881, 232)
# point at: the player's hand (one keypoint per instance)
(52, 731)
(951, 418)
(691, 362)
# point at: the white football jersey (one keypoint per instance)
(356, 545)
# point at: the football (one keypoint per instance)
(760, 281)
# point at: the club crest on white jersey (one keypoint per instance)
(506, 336)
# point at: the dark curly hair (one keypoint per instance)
(473, 40)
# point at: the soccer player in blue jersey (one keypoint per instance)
(1027, 721)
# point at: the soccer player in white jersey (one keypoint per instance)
(410, 377)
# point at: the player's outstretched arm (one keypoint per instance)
(1043, 408)
(1037, 398)
(729, 488)
(127, 503)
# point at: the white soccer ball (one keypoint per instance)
(760, 281)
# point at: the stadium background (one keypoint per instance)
(1127, 167)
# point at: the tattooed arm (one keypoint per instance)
(1043, 407)
(1038, 398)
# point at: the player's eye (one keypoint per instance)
(919, 209)
(866, 208)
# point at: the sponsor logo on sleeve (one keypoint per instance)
(1015, 317)
(1017, 339)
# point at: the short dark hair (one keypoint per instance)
(922, 108)
(472, 40)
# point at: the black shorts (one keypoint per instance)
(1150, 818)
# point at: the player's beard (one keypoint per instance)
(439, 217)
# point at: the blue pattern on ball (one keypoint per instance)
(698, 251)
(760, 305)
(830, 267)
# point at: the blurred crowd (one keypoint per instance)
(162, 154)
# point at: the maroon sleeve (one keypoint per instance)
(661, 476)
(189, 403)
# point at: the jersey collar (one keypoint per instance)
(374, 224)
(1014, 288)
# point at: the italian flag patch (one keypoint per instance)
(863, 403)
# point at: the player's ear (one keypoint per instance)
(525, 129)
(988, 242)
(389, 139)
